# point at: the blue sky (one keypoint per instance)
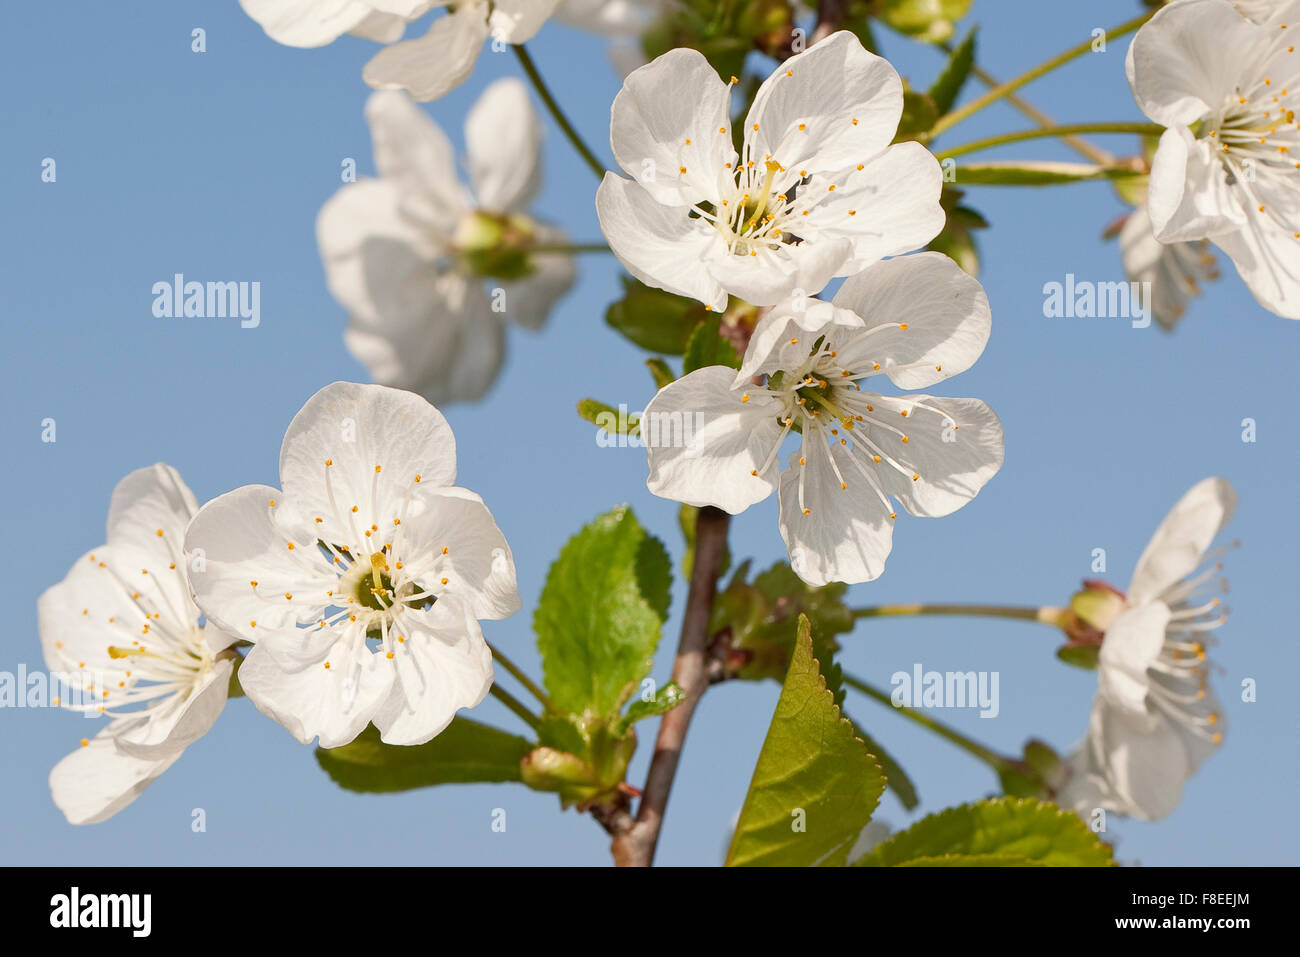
(215, 165)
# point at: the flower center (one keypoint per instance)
(491, 245)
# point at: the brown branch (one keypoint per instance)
(634, 846)
(830, 13)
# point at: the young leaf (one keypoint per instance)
(667, 698)
(607, 418)
(815, 786)
(465, 752)
(660, 371)
(655, 320)
(947, 86)
(1035, 173)
(707, 348)
(1003, 832)
(599, 615)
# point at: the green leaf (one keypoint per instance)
(660, 371)
(607, 418)
(665, 699)
(947, 86)
(1010, 831)
(1035, 173)
(655, 320)
(810, 763)
(600, 612)
(707, 348)
(919, 116)
(896, 778)
(465, 752)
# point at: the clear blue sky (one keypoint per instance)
(215, 165)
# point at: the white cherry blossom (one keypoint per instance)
(124, 632)
(1174, 270)
(361, 582)
(916, 320)
(1155, 718)
(1227, 167)
(428, 270)
(816, 192)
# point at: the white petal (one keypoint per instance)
(771, 276)
(1144, 760)
(443, 665)
(894, 201)
(503, 136)
(1132, 644)
(945, 310)
(660, 245)
(380, 27)
(1267, 258)
(704, 443)
(775, 341)
(306, 23)
(436, 63)
(670, 129)
(477, 563)
(1179, 544)
(381, 442)
(529, 301)
(239, 538)
(517, 21)
(1188, 196)
(96, 781)
(848, 101)
(335, 703)
(846, 533)
(1187, 59)
(191, 719)
(952, 466)
(148, 501)
(414, 154)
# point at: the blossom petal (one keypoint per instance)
(334, 703)
(454, 536)
(659, 245)
(948, 466)
(833, 105)
(1189, 197)
(97, 780)
(945, 310)
(1267, 258)
(192, 718)
(517, 21)
(503, 137)
(670, 129)
(307, 23)
(435, 64)
(529, 301)
(1187, 59)
(1144, 760)
(768, 277)
(413, 153)
(889, 207)
(148, 501)
(380, 443)
(238, 539)
(1178, 547)
(1132, 644)
(705, 444)
(836, 527)
(443, 665)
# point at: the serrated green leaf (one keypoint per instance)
(1022, 828)
(665, 699)
(600, 612)
(707, 348)
(896, 779)
(1035, 173)
(948, 85)
(811, 771)
(655, 320)
(465, 752)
